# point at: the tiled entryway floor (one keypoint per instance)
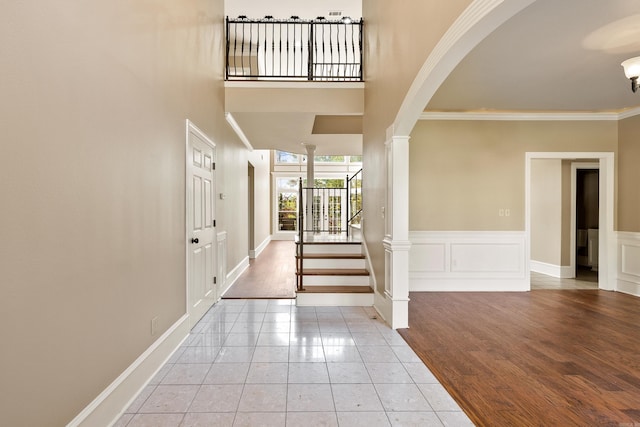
(270, 363)
(542, 281)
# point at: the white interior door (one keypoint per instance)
(201, 236)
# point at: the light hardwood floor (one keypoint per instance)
(271, 275)
(539, 358)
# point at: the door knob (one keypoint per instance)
(195, 240)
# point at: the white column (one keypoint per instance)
(311, 181)
(396, 242)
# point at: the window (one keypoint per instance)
(287, 192)
(329, 159)
(355, 159)
(287, 158)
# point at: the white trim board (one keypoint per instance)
(530, 116)
(559, 271)
(467, 261)
(106, 409)
(266, 84)
(255, 253)
(234, 274)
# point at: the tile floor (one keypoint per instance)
(270, 363)
(542, 281)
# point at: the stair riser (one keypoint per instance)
(336, 280)
(335, 263)
(332, 249)
(358, 300)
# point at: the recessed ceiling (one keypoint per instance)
(289, 131)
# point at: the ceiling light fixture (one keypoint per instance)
(632, 71)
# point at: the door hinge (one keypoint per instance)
(215, 279)
(214, 222)
(213, 166)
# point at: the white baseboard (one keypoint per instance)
(559, 271)
(255, 253)
(467, 261)
(284, 235)
(629, 288)
(107, 408)
(234, 274)
(628, 271)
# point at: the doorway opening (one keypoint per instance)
(586, 222)
(602, 254)
(251, 207)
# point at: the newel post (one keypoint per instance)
(396, 242)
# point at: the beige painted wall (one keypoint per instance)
(463, 172)
(92, 164)
(546, 210)
(392, 60)
(629, 175)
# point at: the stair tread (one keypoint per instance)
(332, 256)
(338, 289)
(335, 272)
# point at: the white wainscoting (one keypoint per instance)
(628, 263)
(467, 261)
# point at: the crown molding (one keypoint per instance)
(238, 130)
(529, 116)
(629, 113)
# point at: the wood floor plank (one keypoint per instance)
(271, 275)
(540, 358)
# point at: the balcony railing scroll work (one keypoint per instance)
(294, 49)
(333, 211)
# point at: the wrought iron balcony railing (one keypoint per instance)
(294, 49)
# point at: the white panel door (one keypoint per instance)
(201, 290)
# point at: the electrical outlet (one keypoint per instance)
(154, 326)
(507, 212)
(500, 212)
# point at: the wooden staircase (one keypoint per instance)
(333, 273)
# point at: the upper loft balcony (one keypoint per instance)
(295, 81)
(294, 49)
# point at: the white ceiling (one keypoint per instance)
(556, 55)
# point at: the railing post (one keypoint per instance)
(300, 237)
(348, 202)
(361, 53)
(226, 70)
(310, 56)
